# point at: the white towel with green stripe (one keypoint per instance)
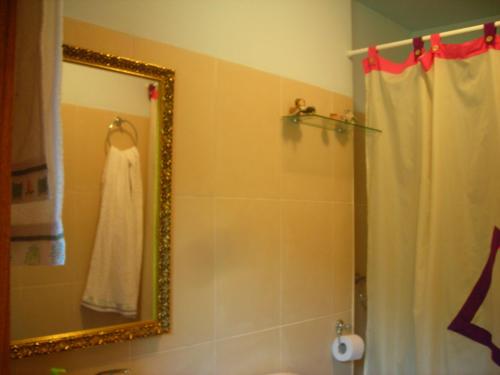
(37, 236)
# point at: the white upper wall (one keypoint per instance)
(458, 38)
(372, 28)
(97, 88)
(304, 40)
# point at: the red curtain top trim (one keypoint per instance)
(426, 59)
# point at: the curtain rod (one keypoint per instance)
(410, 41)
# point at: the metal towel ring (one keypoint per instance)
(117, 124)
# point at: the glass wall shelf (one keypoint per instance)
(327, 123)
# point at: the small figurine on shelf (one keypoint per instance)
(301, 108)
(348, 117)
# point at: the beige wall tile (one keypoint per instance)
(69, 116)
(71, 31)
(83, 154)
(343, 256)
(192, 281)
(341, 103)
(194, 111)
(257, 353)
(194, 108)
(343, 173)
(247, 119)
(229, 142)
(308, 245)
(194, 125)
(81, 34)
(16, 315)
(195, 360)
(308, 163)
(80, 217)
(44, 275)
(192, 272)
(43, 311)
(316, 164)
(306, 347)
(153, 52)
(247, 265)
(16, 276)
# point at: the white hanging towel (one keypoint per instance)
(113, 280)
(37, 235)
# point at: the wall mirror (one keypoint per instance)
(114, 110)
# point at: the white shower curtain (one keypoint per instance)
(433, 204)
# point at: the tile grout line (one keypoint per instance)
(248, 333)
(353, 266)
(184, 347)
(51, 285)
(320, 317)
(281, 243)
(281, 288)
(171, 350)
(353, 236)
(214, 255)
(280, 199)
(333, 262)
(214, 207)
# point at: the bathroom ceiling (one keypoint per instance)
(417, 15)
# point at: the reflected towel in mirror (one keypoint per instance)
(113, 280)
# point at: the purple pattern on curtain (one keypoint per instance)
(462, 323)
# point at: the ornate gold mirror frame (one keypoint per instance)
(118, 333)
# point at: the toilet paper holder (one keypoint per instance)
(340, 326)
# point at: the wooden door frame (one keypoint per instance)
(7, 65)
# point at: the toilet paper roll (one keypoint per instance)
(348, 348)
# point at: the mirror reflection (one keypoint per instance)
(109, 124)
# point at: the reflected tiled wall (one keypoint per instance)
(262, 261)
(45, 299)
